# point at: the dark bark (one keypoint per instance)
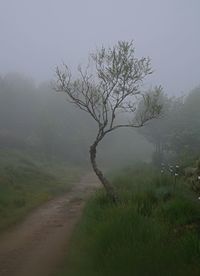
(108, 187)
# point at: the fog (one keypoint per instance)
(38, 35)
(37, 119)
(99, 92)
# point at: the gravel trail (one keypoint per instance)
(37, 246)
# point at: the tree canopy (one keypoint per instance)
(109, 86)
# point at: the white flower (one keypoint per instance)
(176, 174)
(198, 177)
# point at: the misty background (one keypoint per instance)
(38, 35)
(147, 221)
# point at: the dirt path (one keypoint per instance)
(36, 246)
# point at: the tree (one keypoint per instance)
(176, 136)
(186, 133)
(108, 87)
(159, 132)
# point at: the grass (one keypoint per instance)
(27, 180)
(153, 231)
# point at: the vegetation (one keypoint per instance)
(153, 231)
(27, 180)
(112, 88)
(175, 136)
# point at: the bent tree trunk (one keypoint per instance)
(108, 187)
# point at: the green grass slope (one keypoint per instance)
(155, 230)
(27, 180)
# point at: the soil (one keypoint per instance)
(37, 246)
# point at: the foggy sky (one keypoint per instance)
(37, 35)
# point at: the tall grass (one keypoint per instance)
(153, 231)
